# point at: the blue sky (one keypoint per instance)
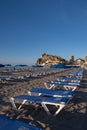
(29, 28)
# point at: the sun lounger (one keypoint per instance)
(10, 124)
(66, 86)
(68, 79)
(64, 83)
(58, 102)
(50, 92)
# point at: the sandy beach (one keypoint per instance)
(72, 117)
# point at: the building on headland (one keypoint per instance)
(79, 62)
(85, 63)
(85, 58)
(71, 58)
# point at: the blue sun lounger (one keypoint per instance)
(9, 124)
(50, 92)
(68, 79)
(58, 102)
(64, 83)
(66, 86)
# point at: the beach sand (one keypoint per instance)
(72, 117)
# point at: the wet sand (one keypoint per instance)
(72, 117)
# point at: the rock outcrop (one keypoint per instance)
(47, 60)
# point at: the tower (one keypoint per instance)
(85, 58)
(71, 58)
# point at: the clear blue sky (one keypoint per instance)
(29, 28)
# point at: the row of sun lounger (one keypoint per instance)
(45, 97)
(68, 82)
(57, 98)
(67, 86)
(34, 74)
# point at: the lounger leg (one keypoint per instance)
(46, 109)
(67, 88)
(29, 93)
(51, 86)
(59, 109)
(74, 88)
(46, 85)
(22, 104)
(13, 103)
(49, 113)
